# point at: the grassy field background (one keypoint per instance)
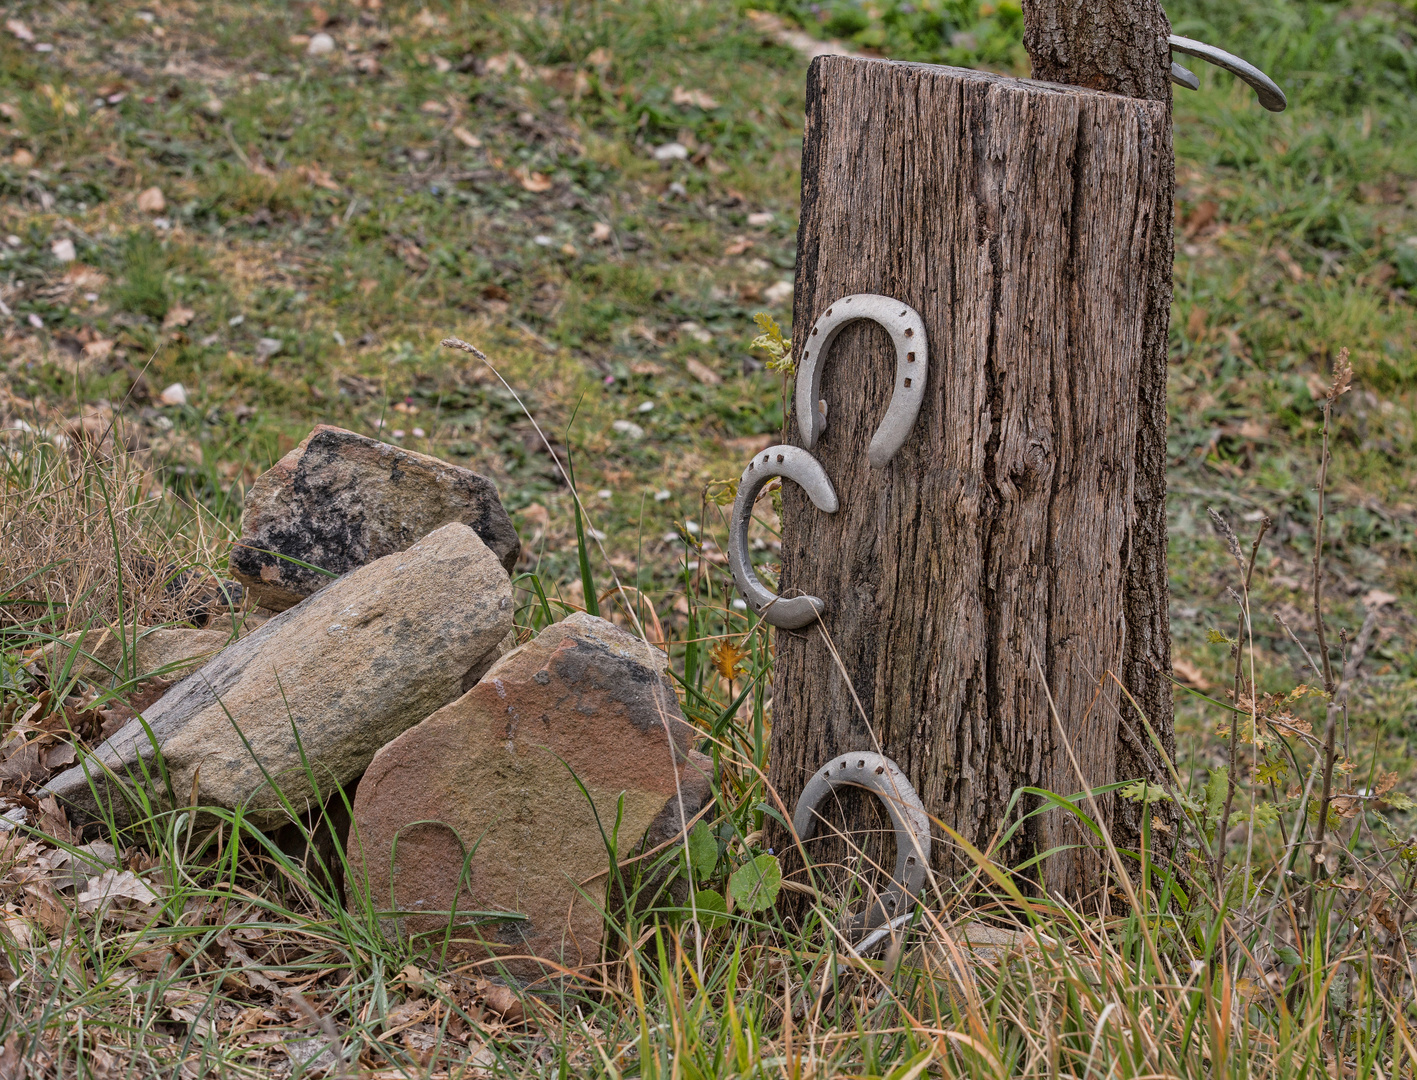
(602, 196)
(490, 172)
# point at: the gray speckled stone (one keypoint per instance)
(355, 665)
(340, 500)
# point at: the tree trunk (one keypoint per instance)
(1018, 537)
(1120, 46)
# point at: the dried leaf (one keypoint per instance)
(1189, 673)
(534, 182)
(503, 1002)
(111, 886)
(240, 956)
(176, 316)
(703, 372)
(466, 137)
(315, 176)
(152, 201)
(697, 98)
(727, 658)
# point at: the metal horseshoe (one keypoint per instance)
(1265, 88)
(795, 464)
(881, 776)
(907, 331)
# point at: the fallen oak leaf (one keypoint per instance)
(111, 886)
(176, 316)
(249, 969)
(502, 1001)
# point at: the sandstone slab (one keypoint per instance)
(357, 664)
(480, 808)
(340, 500)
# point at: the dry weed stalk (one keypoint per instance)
(86, 538)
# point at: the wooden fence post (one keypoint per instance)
(1005, 551)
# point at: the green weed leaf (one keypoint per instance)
(703, 851)
(712, 908)
(1142, 792)
(771, 341)
(754, 885)
(1215, 789)
(1285, 955)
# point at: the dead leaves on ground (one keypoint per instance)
(222, 967)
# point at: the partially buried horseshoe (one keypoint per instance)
(907, 331)
(795, 464)
(881, 776)
(1265, 88)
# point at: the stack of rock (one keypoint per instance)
(489, 776)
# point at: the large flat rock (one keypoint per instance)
(494, 783)
(349, 669)
(340, 500)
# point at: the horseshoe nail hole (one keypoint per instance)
(910, 358)
(806, 355)
(815, 331)
(909, 332)
(910, 860)
(827, 773)
(750, 466)
(880, 769)
(907, 384)
(902, 314)
(779, 457)
(767, 457)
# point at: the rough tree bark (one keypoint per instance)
(1120, 46)
(1022, 525)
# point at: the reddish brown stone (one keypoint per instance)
(486, 783)
(340, 500)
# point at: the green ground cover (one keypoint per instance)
(509, 175)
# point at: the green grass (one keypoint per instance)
(330, 206)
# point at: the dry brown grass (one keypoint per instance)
(88, 535)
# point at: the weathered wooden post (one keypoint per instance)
(1018, 536)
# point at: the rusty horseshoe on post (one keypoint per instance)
(882, 777)
(1265, 88)
(795, 464)
(907, 331)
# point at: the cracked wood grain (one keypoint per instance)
(1018, 218)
